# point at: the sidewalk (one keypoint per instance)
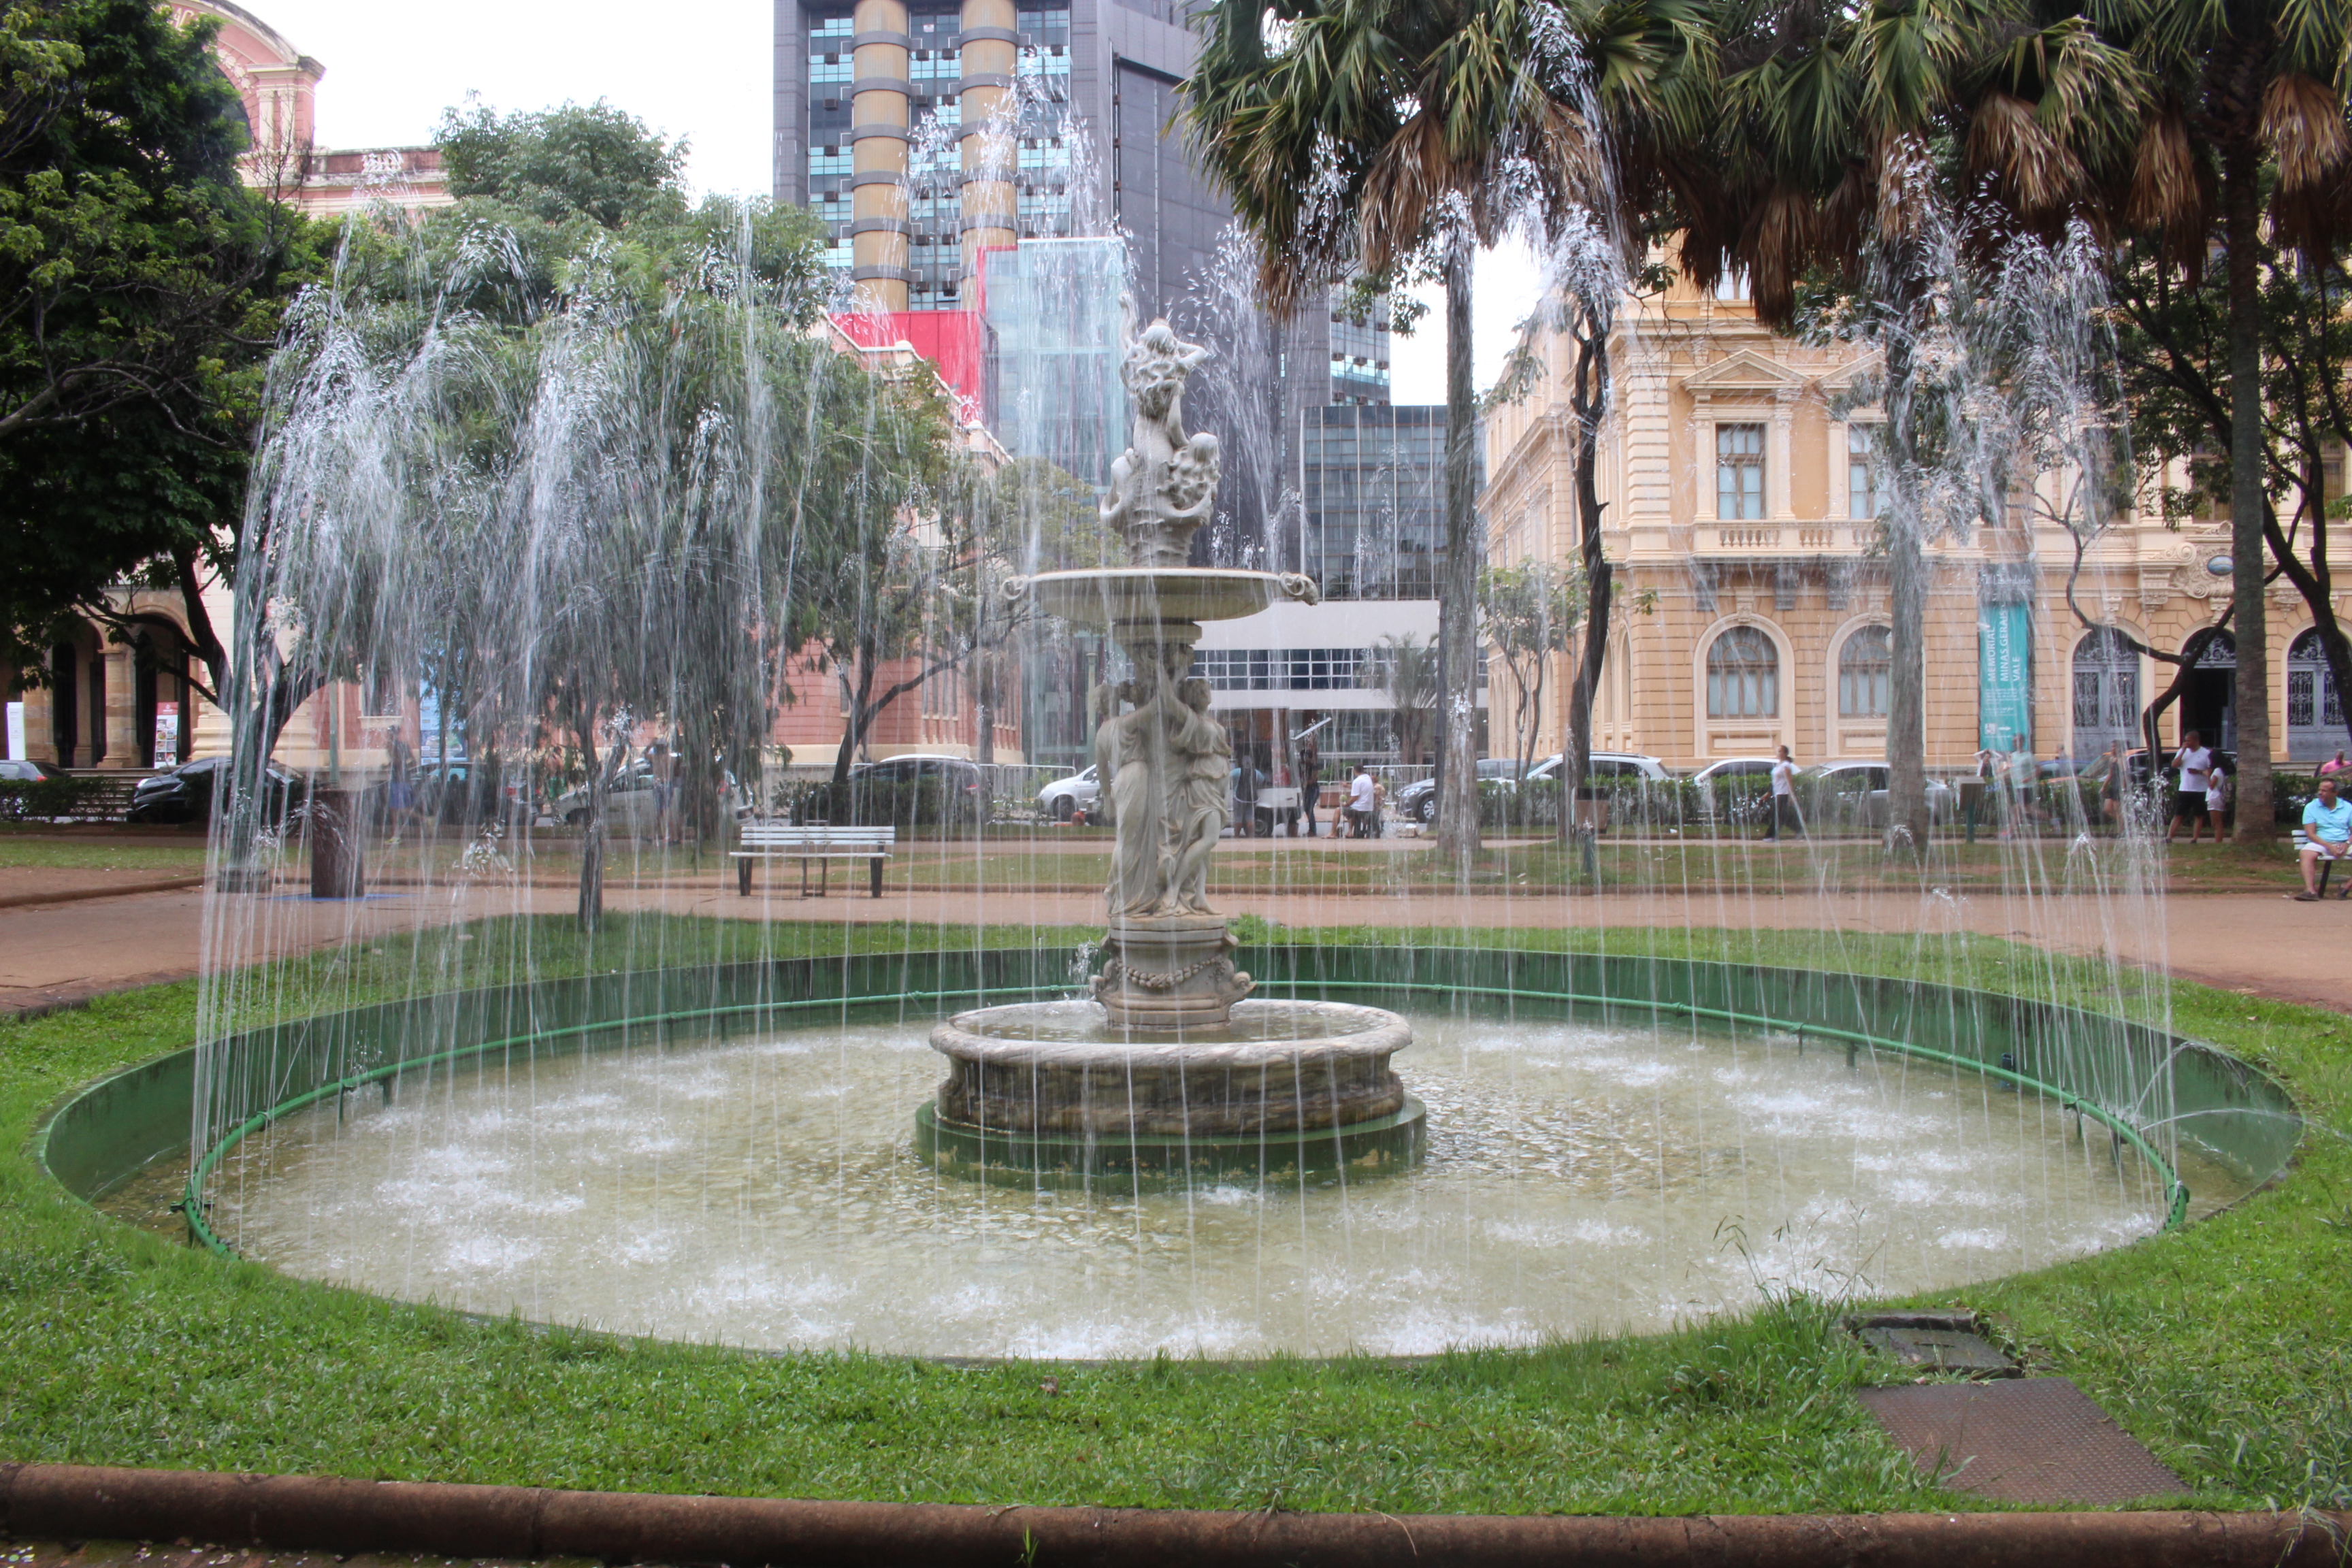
(2262, 943)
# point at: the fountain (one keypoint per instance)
(1169, 1072)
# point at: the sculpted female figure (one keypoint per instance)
(1198, 808)
(1128, 750)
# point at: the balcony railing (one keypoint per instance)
(1774, 538)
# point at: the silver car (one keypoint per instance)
(1065, 799)
(630, 803)
(1855, 794)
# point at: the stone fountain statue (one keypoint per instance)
(1177, 1060)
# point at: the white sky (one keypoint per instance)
(697, 68)
(1504, 288)
(693, 67)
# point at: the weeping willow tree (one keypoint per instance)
(619, 472)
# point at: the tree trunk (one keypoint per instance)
(986, 744)
(1588, 398)
(1457, 683)
(1907, 726)
(591, 842)
(2240, 224)
(853, 719)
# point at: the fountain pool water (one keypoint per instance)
(1579, 1178)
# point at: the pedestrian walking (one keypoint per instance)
(2110, 772)
(1310, 780)
(1247, 783)
(1784, 795)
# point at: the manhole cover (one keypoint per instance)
(2035, 1439)
(1934, 1342)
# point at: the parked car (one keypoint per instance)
(965, 781)
(24, 770)
(1606, 768)
(1744, 783)
(1855, 794)
(630, 802)
(1065, 799)
(186, 794)
(1418, 800)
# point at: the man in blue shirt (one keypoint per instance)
(2328, 830)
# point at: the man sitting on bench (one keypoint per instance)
(2328, 829)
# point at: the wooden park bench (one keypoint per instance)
(804, 842)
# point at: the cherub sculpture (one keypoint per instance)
(1164, 484)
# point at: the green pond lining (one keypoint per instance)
(2102, 1068)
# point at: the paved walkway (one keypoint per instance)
(2267, 943)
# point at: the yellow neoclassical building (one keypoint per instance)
(1751, 590)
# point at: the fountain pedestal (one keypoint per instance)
(1169, 973)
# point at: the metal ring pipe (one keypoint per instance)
(321, 1513)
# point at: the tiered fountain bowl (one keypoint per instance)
(1167, 1073)
(1049, 1093)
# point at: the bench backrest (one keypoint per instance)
(759, 834)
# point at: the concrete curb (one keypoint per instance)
(121, 890)
(75, 1502)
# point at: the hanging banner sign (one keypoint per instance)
(167, 734)
(2004, 676)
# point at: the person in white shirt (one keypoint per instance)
(1362, 801)
(2188, 803)
(1784, 797)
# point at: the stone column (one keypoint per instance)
(879, 97)
(986, 103)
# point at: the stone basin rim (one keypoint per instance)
(1172, 596)
(1362, 1032)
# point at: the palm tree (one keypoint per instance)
(1392, 137)
(2240, 126)
(1843, 127)
(1404, 667)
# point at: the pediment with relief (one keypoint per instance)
(1851, 375)
(1744, 370)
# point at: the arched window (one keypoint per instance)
(2314, 708)
(2106, 692)
(1743, 675)
(1864, 665)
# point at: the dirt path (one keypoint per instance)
(2265, 943)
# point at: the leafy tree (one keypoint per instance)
(1531, 612)
(1405, 667)
(1587, 282)
(2237, 129)
(589, 162)
(140, 289)
(2174, 350)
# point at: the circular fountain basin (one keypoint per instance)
(1578, 1179)
(1052, 1092)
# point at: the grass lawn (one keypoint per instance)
(2224, 1347)
(61, 854)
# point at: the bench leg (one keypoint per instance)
(743, 878)
(874, 874)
